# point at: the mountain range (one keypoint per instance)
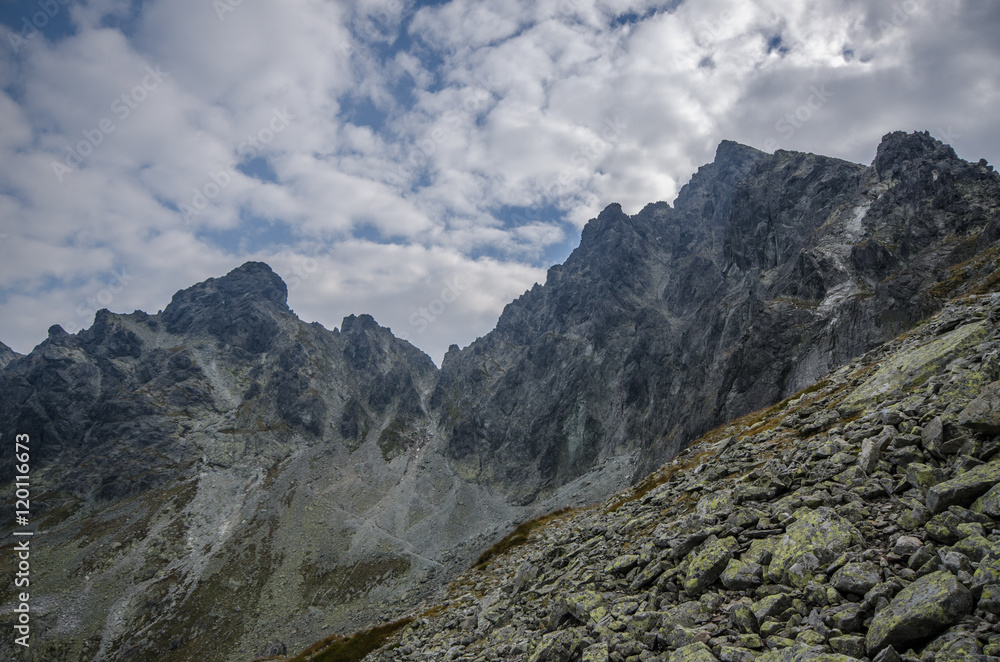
(223, 478)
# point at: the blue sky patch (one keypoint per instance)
(252, 235)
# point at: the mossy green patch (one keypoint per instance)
(914, 365)
(519, 536)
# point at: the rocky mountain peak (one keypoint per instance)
(240, 309)
(899, 148)
(355, 324)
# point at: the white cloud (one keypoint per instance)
(565, 104)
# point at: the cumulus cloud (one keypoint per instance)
(377, 153)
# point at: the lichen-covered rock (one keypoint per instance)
(983, 413)
(989, 503)
(622, 564)
(696, 652)
(739, 575)
(706, 563)
(742, 618)
(584, 606)
(596, 653)
(820, 532)
(964, 488)
(915, 365)
(719, 504)
(770, 606)
(857, 578)
(849, 644)
(560, 646)
(736, 654)
(929, 605)
(923, 475)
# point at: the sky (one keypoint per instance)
(423, 162)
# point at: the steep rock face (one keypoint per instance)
(769, 271)
(583, 368)
(6, 355)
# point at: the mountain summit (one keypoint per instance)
(222, 475)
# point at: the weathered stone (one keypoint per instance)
(761, 551)
(810, 638)
(707, 563)
(974, 546)
(873, 447)
(596, 653)
(739, 576)
(622, 565)
(914, 518)
(679, 636)
(923, 476)
(771, 606)
(983, 413)
(888, 654)
(907, 545)
(648, 576)
(561, 646)
(846, 618)
(960, 649)
(929, 605)
(989, 503)
(584, 606)
(932, 434)
(742, 618)
(821, 532)
(989, 599)
(944, 528)
(964, 488)
(734, 654)
(696, 652)
(858, 578)
(797, 652)
(988, 571)
(719, 504)
(849, 644)
(645, 621)
(916, 364)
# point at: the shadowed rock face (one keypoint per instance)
(6, 355)
(224, 462)
(769, 271)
